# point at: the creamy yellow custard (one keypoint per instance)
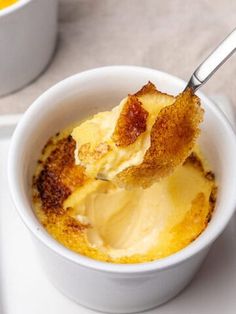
(113, 224)
(130, 222)
(108, 222)
(6, 3)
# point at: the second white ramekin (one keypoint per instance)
(28, 31)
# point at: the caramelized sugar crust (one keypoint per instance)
(136, 115)
(131, 122)
(150, 89)
(173, 137)
(59, 175)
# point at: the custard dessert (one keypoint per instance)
(136, 216)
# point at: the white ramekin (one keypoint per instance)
(103, 286)
(28, 31)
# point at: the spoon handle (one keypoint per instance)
(211, 64)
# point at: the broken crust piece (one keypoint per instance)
(173, 136)
(131, 122)
(149, 96)
(112, 141)
(141, 140)
(139, 109)
(133, 117)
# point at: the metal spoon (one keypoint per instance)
(208, 67)
(212, 63)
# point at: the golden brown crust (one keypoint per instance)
(149, 88)
(149, 93)
(172, 137)
(59, 176)
(131, 123)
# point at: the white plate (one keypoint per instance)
(24, 288)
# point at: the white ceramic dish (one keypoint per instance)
(26, 290)
(102, 286)
(28, 31)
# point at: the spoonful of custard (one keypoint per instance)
(150, 133)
